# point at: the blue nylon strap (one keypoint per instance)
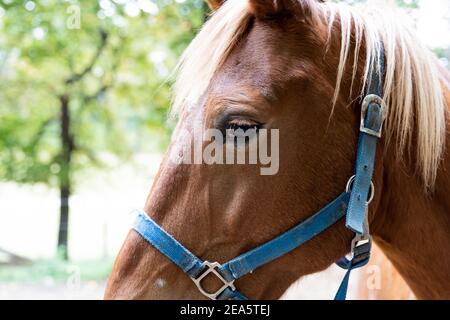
(366, 153)
(175, 251)
(361, 257)
(367, 146)
(288, 241)
(375, 85)
(246, 262)
(370, 132)
(343, 288)
(167, 245)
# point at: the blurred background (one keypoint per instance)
(84, 94)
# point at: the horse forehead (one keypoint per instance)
(243, 86)
(265, 58)
(248, 73)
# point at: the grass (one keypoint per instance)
(56, 269)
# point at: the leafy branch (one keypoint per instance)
(79, 76)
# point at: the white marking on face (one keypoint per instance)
(160, 283)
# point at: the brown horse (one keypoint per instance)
(299, 66)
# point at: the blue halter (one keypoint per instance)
(352, 203)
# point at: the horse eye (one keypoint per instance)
(241, 131)
(242, 125)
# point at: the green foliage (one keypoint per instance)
(112, 61)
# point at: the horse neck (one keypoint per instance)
(413, 227)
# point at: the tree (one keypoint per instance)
(80, 78)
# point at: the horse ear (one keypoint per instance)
(269, 8)
(215, 4)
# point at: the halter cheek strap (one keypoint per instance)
(352, 203)
(373, 113)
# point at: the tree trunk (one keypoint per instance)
(64, 176)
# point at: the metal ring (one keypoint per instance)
(348, 188)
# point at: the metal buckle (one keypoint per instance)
(361, 239)
(358, 241)
(372, 98)
(211, 268)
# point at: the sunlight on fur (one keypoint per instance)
(412, 90)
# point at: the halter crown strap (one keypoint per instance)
(373, 112)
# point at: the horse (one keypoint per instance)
(300, 67)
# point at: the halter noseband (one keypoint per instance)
(352, 203)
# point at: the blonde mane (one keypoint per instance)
(412, 89)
